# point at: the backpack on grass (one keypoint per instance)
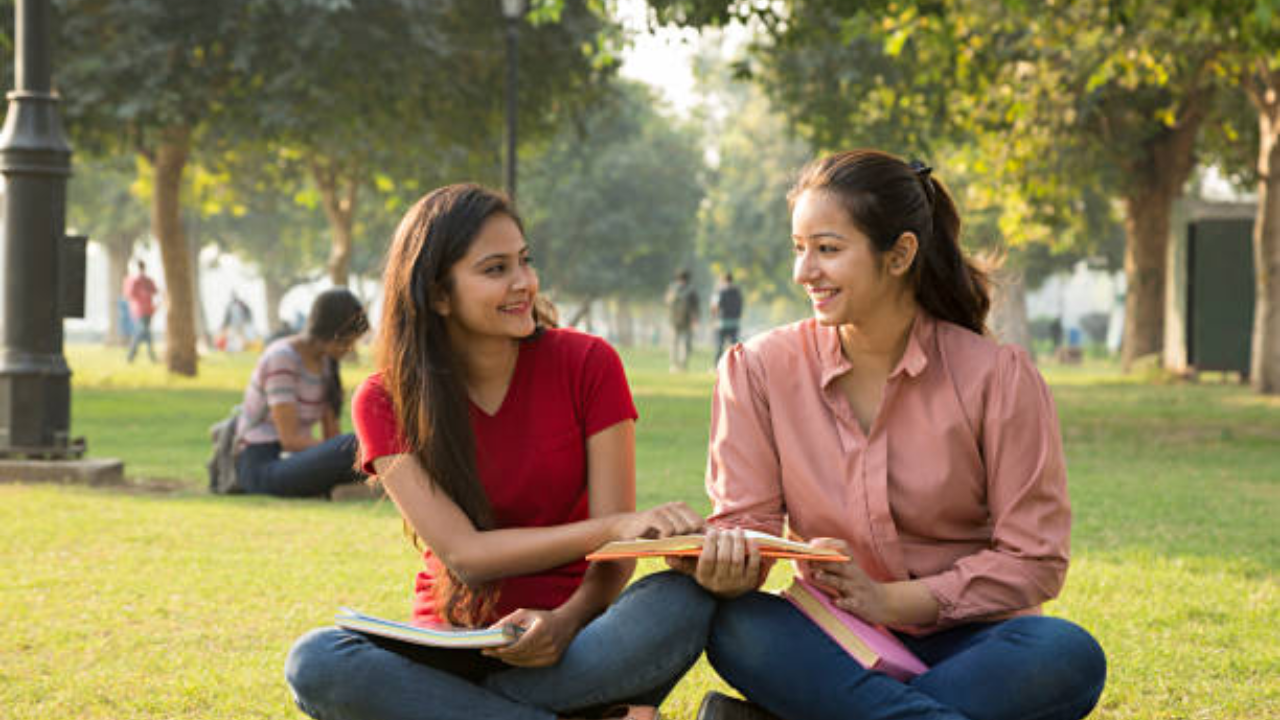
(222, 466)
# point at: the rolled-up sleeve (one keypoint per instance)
(743, 472)
(1030, 513)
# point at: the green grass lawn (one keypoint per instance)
(135, 603)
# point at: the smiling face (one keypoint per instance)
(847, 281)
(492, 286)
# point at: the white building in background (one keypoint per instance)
(221, 274)
(1080, 292)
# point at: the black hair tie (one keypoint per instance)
(924, 173)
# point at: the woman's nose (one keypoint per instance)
(804, 268)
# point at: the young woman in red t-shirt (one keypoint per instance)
(509, 448)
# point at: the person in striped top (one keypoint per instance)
(296, 387)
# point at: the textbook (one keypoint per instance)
(442, 637)
(874, 647)
(691, 545)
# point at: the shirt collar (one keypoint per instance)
(914, 358)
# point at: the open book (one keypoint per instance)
(442, 637)
(874, 647)
(691, 545)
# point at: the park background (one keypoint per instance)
(280, 140)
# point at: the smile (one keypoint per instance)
(822, 296)
(519, 308)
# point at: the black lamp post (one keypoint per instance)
(513, 11)
(40, 264)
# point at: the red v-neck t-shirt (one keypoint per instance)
(531, 454)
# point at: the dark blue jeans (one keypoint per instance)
(310, 473)
(634, 653)
(1025, 668)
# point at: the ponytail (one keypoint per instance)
(946, 282)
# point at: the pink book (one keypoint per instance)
(874, 647)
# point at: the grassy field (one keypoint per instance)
(159, 601)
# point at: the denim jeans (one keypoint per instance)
(726, 337)
(635, 652)
(681, 347)
(1025, 668)
(309, 473)
(141, 334)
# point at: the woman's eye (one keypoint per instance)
(495, 269)
(798, 249)
(825, 249)
(526, 260)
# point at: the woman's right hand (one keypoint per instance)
(729, 565)
(673, 518)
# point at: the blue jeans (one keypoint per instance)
(308, 473)
(1025, 668)
(633, 653)
(141, 334)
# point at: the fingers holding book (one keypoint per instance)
(851, 589)
(729, 565)
(544, 636)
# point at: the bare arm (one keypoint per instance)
(481, 556)
(611, 483)
(292, 436)
(329, 424)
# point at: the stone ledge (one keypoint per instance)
(98, 471)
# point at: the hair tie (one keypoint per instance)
(923, 172)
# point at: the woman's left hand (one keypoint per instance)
(852, 589)
(546, 636)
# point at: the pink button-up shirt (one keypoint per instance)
(960, 482)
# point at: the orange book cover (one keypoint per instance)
(691, 546)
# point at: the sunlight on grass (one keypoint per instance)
(124, 604)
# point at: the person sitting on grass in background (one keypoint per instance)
(508, 446)
(889, 427)
(295, 387)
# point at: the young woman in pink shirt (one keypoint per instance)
(891, 427)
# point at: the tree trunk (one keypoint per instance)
(1009, 309)
(119, 247)
(624, 323)
(1146, 228)
(583, 313)
(276, 288)
(202, 319)
(166, 225)
(1155, 177)
(1264, 369)
(340, 208)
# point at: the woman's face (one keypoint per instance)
(340, 348)
(494, 285)
(836, 263)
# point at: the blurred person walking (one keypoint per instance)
(682, 305)
(726, 310)
(140, 291)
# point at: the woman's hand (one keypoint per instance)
(851, 589)
(673, 518)
(546, 636)
(729, 565)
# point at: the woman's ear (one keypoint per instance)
(902, 254)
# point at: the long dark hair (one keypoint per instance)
(886, 197)
(335, 314)
(420, 367)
